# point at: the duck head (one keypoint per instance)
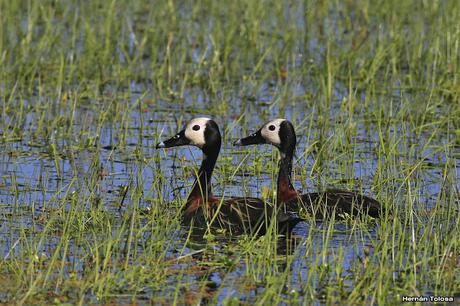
(278, 132)
(199, 132)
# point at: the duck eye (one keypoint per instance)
(271, 127)
(196, 127)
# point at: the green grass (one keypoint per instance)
(89, 211)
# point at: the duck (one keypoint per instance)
(237, 215)
(340, 203)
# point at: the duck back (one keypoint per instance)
(337, 202)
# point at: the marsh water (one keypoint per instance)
(90, 210)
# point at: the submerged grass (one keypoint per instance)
(89, 211)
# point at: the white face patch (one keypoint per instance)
(194, 131)
(270, 131)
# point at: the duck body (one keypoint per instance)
(236, 215)
(339, 203)
(281, 133)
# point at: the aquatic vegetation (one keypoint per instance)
(87, 89)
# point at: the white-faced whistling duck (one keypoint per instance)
(281, 134)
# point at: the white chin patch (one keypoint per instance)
(271, 132)
(194, 131)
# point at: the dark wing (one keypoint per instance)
(250, 215)
(338, 202)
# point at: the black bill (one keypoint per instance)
(178, 140)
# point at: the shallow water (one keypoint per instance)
(41, 175)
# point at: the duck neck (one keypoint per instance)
(285, 191)
(201, 192)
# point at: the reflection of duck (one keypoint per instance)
(238, 215)
(281, 133)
